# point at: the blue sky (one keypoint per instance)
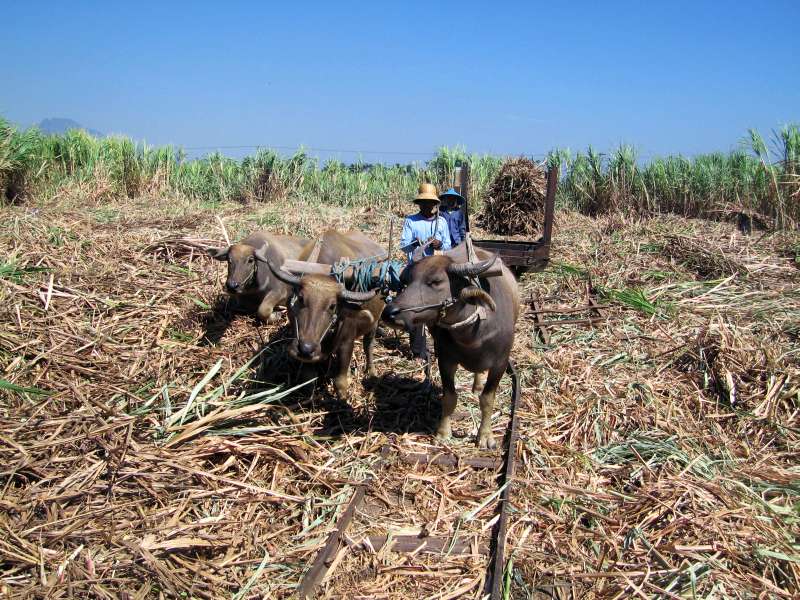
(408, 77)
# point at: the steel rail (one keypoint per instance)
(494, 580)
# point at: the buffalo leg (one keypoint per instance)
(342, 379)
(368, 339)
(265, 308)
(479, 382)
(485, 439)
(447, 370)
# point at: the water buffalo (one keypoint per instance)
(327, 317)
(472, 326)
(250, 278)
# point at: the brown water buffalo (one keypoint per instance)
(472, 326)
(327, 317)
(250, 278)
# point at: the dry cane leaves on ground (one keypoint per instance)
(144, 453)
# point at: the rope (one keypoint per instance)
(388, 277)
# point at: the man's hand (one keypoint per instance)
(436, 244)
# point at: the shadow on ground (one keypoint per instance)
(392, 402)
(217, 321)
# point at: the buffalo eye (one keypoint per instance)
(332, 306)
(435, 282)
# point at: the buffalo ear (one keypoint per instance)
(475, 295)
(218, 253)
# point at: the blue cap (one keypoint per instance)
(454, 193)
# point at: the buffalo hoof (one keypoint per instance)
(443, 433)
(486, 442)
(342, 389)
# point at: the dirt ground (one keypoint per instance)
(151, 455)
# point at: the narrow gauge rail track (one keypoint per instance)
(497, 546)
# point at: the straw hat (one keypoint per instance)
(427, 193)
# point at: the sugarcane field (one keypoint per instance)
(161, 439)
(418, 301)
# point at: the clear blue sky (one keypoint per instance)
(519, 77)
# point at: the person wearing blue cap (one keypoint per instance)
(451, 210)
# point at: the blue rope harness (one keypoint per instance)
(388, 278)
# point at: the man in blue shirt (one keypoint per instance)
(424, 232)
(451, 210)
(426, 226)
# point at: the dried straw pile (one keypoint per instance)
(149, 454)
(739, 373)
(719, 260)
(514, 203)
(707, 262)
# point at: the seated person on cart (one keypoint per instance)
(452, 211)
(423, 233)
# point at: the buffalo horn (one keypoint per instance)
(285, 277)
(349, 296)
(471, 269)
(261, 254)
(475, 295)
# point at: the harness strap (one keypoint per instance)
(315, 251)
(443, 305)
(325, 333)
(249, 280)
(478, 314)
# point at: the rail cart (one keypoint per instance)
(521, 256)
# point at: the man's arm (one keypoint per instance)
(462, 225)
(443, 235)
(407, 238)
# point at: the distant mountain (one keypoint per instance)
(57, 126)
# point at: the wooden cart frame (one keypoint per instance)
(519, 256)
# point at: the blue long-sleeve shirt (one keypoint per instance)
(456, 224)
(416, 227)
